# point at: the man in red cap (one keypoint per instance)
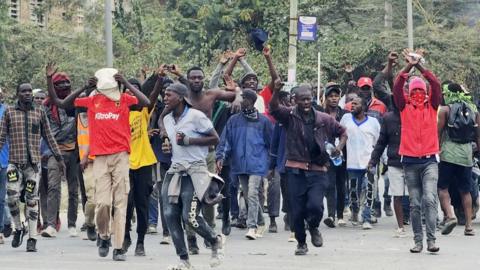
(376, 108)
(63, 125)
(419, 146)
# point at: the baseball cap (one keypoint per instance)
(364, 81)
(181, 90)
(332, 87)
(106, 84)
(249, 94)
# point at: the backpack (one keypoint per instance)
(461, 123)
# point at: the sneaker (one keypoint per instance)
(449, 225)
(49, 232)
(417, 248)
(330, 222)
(354, 219)
(32, 245)
(127, 242)
(139, 250)
(292, 238)
(387, 208)
(347, 212)
(272, 228)
(7, 230)
(119, 255)
(182, 265)
(341, 223)
(91, 233)
(241, 224)
(18, 237)
(218, 252)
(104, 247)
(317, 240)
(400, 233)
(2, 240)
(260, 231)
(251, 235)
(72, 231)
(192, 246)
(152, 229)
(366, 226)
(302, 249)
(165, 240)
(431, 247)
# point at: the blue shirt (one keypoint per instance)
(4, 150)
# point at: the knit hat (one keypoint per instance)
(417, 83)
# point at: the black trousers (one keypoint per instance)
(226, 202)
(336, 190)
(306, 190)
(138, 197)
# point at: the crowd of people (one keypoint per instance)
(183, 154)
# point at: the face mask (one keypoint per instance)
(418, 98)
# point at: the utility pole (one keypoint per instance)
(108, 32)
(292, 42)
(410, 23)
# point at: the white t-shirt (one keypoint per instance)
(195, 124)
(362, 138)
(260, 104)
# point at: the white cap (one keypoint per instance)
(107, 85)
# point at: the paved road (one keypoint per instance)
(345, 248)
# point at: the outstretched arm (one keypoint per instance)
(143, 101)
(66, 103)
(271, 68)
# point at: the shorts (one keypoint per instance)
(453, 174)
(398, 185)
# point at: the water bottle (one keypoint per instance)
(337, 160)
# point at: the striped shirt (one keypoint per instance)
(23, 129)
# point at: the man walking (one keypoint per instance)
(307, 159)
(419, 146)
(23, 125)
(247, 138)
(190, 134)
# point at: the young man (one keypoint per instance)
(108, 116)
(363, 132)
(142, 158)
(337, 174)
(307, 159)
(390, 139)
(456, 157)
(23, 125)
(419, 146)
(247, 139)
(204, 100)
(63, 126)
(190, 133)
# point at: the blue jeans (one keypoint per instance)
(3, 193)
(360, 193)
(422, 187)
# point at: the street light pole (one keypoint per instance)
(292, 42)
(108, 32)
(410, 23)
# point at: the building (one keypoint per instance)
(36, 13)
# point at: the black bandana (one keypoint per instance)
(250, 114)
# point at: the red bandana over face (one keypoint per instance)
(418, 98)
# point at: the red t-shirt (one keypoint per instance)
(267, 94)
(108, 123)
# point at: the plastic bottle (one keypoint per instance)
(336, 160)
